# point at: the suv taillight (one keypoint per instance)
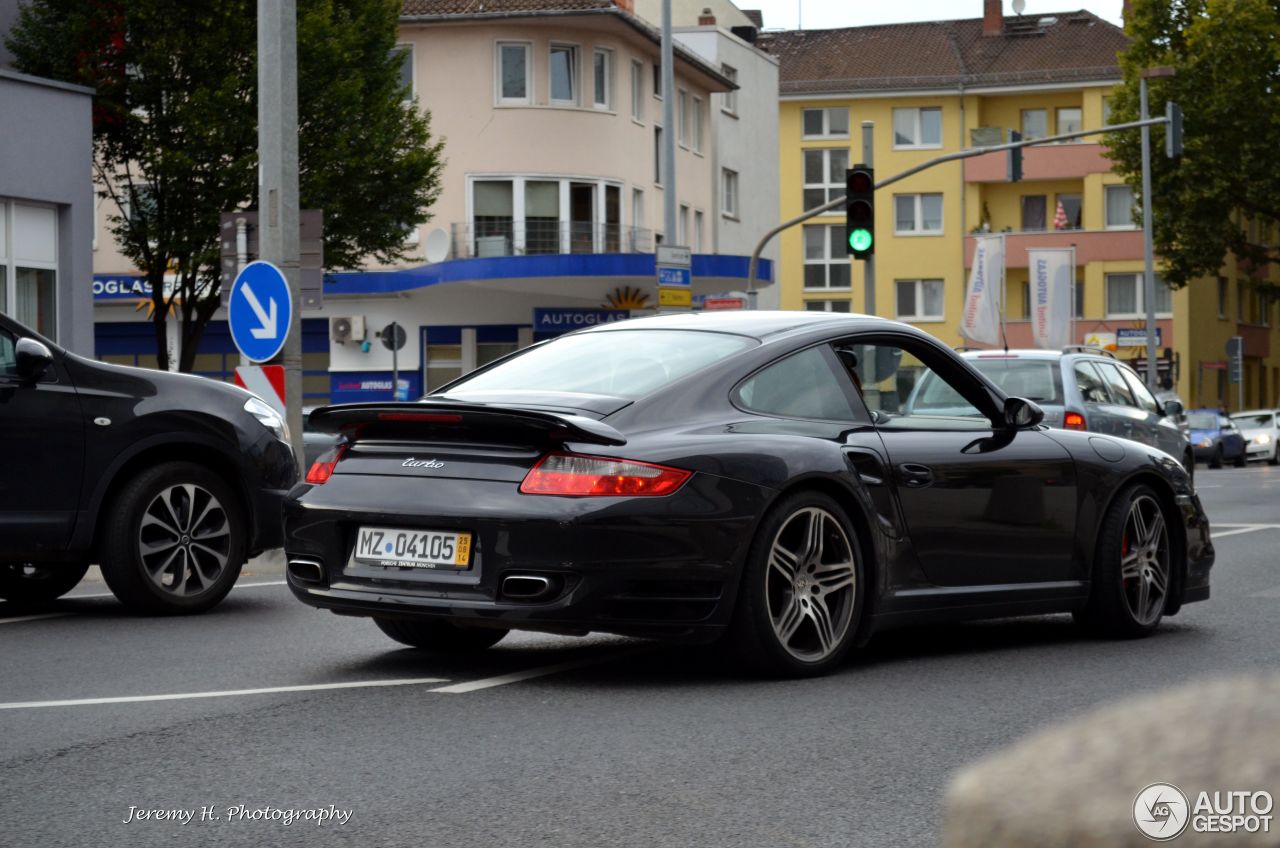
(1073, 421)
(572, 474)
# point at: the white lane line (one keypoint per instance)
(1260, 524)
(229, 693)
(237, 586)
(529, 674)
(1267, 593)
(1215, 535)
(20, 618)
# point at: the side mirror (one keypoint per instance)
(33, 359)
(1173, 409)
(1021, 414)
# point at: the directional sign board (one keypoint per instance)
(259, 311)
(674, 263)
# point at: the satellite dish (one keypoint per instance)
(438, 243)
(1018, 6)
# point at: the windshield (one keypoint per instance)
(1263, 419)
(1037, 380)
(622, 363)
(1202, 420)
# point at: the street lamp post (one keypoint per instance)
(1148, 279)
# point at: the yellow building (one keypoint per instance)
(936, 88)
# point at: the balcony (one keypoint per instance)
(492, 238)
(1048, 162)
(1090, 245)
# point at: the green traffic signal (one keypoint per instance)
(860, 239)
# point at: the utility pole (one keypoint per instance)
(668, 129)
(869, 264)
(1149, 278)
(278, 181)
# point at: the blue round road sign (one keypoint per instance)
(259, 311)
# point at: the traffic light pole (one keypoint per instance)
(869, 264)
(753, 266)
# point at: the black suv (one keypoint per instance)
(167, 481)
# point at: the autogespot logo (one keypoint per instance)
(1161, 812)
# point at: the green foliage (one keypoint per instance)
(1227, 57)
(175, 130)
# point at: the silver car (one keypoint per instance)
(1078, 389)
(1261, 431)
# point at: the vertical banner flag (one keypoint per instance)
(980, 321)
(1052, 271)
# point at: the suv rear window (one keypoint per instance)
(1038, 380)
(1202, 420)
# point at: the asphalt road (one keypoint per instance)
(556, 741)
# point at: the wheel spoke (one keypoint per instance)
(1157, 531)
(1139, 524)
(150, 519)
(833, 577)
(813, 538)
(150, 549)
(210, 506)
(789, 622)
(822, 625)
(1159, 579)
(783, 561)
(1144, 599)
(1130, 566)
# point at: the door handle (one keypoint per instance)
(914, 475)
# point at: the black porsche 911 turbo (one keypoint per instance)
(749, 476)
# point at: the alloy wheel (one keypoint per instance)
(811, 584)
(184, 539)
(1144, 560)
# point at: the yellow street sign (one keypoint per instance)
(675, 296)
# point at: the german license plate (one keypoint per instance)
(393, 547)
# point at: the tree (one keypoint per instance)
(175, 131)
(1226, 54)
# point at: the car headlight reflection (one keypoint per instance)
(267, 417)
(1262, 439)
(1205, 443)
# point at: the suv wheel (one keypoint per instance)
(1215, 461)
(175, 540)
(31, 583)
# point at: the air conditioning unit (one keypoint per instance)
(347, 328)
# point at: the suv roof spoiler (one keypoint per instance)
(1088, 349)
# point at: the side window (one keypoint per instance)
(1092, 389)
(8, 358)
(1144, 396)
(1115, 382)
(905, 392)
(800, 386)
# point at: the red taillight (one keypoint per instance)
(1073, 421)
(322, 468)
(570, 474)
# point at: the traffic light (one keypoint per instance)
(1172, 130)
(860, 211)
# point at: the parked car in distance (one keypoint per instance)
(1078, 389)
(1215, 438)
(752, 477)
(167, 481)
(1260, 430)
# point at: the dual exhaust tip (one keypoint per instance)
(515, 587)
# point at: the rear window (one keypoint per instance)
(1202, 420)
(1036, 380)
(1265, 419)
(622, 363)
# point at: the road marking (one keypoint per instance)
(237, 586)
(19, 618)
(529, 674)
(1267, 593)
(186, 696)
(1215, 535)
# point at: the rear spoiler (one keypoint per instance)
(452, 421)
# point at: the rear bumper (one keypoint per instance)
(665, 566)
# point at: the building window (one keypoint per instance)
(826, 305)
(917, 213)
(1125, 300)
(657, 80)
(602, 76)
(819, 123)
(824, 175)
(697, 231)
(1070, 218)
(730, 97)
(404, 53)
(539, 215)
(637, 91)
(683, 225)
(697, 125)
(1033, 212)
(729, 193)
(1222, 298)
(682, 116)
(920, 300)
(563, 74)
(1106, 111)
(1035, 124)
(917, 127)
(638, 242)
(1119, 207)
(513, 73)
(826, 263)
(657, 155)
(1070, 120)
(29, 265)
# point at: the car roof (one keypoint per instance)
(755, 324)
(1012, 353)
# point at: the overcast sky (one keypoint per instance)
(825, 14)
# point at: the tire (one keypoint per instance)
(1243, 459)
(801, 597)
(174, 542)
(1133, 567)
(29, 583)
(440, 636)
(1275, 456)
(1215, 461)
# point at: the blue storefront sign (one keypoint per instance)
(558, 320)
(1130, 337)
(364, 386)
(120, 287)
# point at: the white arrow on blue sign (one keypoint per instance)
(260, 310)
